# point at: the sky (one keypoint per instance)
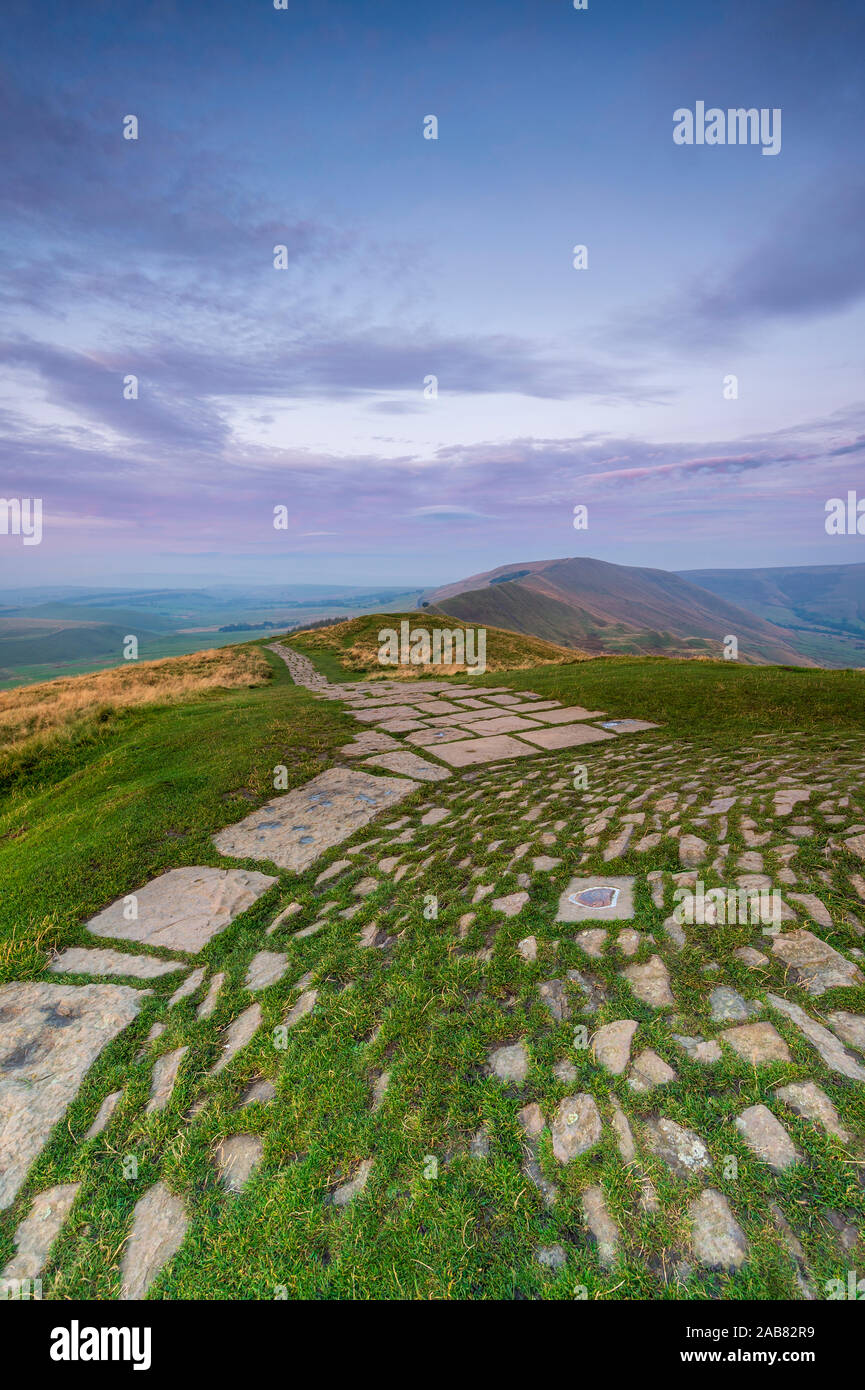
(429, 386)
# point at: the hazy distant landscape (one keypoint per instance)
(794, 615)
(67, 631)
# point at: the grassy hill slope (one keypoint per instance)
(351, 648)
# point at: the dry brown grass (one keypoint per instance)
(33, 710)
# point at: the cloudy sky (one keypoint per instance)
(410, 258)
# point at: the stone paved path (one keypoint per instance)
(643, 1058)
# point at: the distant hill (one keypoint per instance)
(599, 607)
(822, 605)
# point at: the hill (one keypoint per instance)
(601, 607)
(352, 647)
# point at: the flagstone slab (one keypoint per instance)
(369, 741)
(482, 689)
(612, 1044)
(260, 1092)
(347, 1191)
(428, 738)
(530, 708)
(502, 724)
(81, 960)
(159, 1225)
(208, 1003)
(38, 1232)
(681, 1149)
(602, 1226)
(386, 712)
(597, 899)
(411, 764)
(437, 707)
(183, 909)
(401, 726)
(464, 720)
(565, 735)
(50, 1035)
(484, 750)
(567, 715)
(295, 830)
(576, 1127)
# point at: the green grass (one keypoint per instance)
(87, 821)
(716, 698)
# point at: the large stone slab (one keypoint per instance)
(807, 1099)
(79, 960)
(50, 1035)
(565, 735)
(501, 724)
(814, 964)
(369, 741)
(237, 1035)
(596, 900)
(183, 909)
(387, 712)
(411, 764)
(612, 1044)
(295, 830)
(428, 738)
(484, 750)
(850, 1028)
